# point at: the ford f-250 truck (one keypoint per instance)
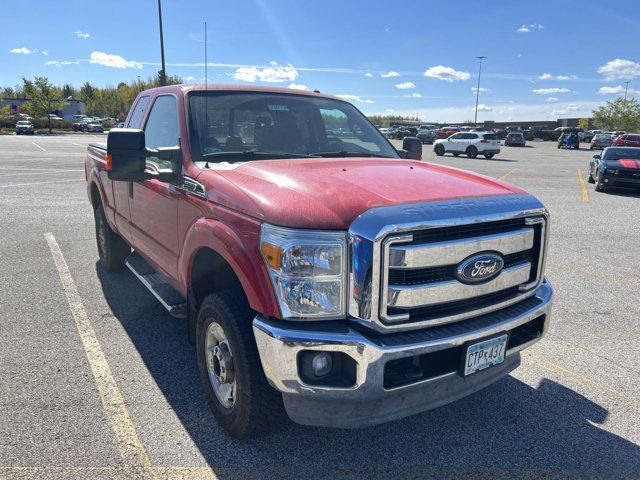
(332, 275)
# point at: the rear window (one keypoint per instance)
(490, 136)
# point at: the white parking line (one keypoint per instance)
(130, 447)
(78, 145)
(41, 183)
(38, 173)
(39, 146)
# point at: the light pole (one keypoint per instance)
(475, 119)
(163, 72)
(626, 87)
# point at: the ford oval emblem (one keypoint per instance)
(479, 268)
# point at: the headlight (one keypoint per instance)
(612, 171)
(307, 270)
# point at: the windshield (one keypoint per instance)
(23, 122)
(613, 153)
(253, 125)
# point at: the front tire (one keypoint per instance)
(234, 383)
(439, 150)
(112, 249)
(472, 152)
(590, 179)
(598, 183)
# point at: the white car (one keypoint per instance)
(471, 144)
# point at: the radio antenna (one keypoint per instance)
(206, 79)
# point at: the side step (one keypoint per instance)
(157, 284)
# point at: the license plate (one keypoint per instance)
(484, 354)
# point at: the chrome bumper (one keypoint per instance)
(367, 402)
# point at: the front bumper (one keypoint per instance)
(612, 180)
(367, 401)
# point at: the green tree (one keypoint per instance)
(583, 123)
(87, 92)
(45, 98)
(619, 114)
(68, 90)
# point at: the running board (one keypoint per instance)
(157, 284)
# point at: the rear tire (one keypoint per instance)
(472, 152)
(113, 250)
(439, 150)
(253, 405)
(488, 156)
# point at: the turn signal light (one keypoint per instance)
(107, 159)
(272, 255)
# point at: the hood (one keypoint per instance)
(624, 163)
(331, 193)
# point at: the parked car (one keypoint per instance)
(81, 126)
(627, 140)
(569, 140)
(601, 141)
(445, 132)
(515, 139)
(543, 132)
(615, 167)
(427, 133)
(384, 131)
(94, 127)
(286, 305)
(469, 143)
(501, 133)
(24, 127)
(120, 125)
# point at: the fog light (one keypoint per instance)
(321, 364)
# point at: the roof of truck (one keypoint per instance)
(190, 87)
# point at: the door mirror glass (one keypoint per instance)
(413, 148)
(597, 156)
(126, 154)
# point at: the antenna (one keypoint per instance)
(206, 79)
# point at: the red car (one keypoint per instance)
(627, 140)
(307, 266)
(446, 132)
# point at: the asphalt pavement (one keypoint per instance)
(98, 381)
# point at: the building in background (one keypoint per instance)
(73, 107)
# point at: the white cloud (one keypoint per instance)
(23, 51)
(190, 78)
(617, 90)
(81, 34)
(368, 74)
(547, 91)
(415, 95)
(447, 74)
(530, 27)
(45, 53)
(389, 74)
(405, 85)
(548, 76)
(56, 63)
(354, 98)
(111, 60)
(619, 69)
(550, 99)
(272, 74)
(297, 86)
(482, 108)
(482, 89)
(570, 108)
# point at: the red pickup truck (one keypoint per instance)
(330, 276)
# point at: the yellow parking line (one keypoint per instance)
(129, 445)
(583, 185)
(508, 173)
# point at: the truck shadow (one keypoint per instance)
(508, 430)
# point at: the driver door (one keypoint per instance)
(154, 204)
(454, 142)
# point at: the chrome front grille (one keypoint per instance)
(404, 272)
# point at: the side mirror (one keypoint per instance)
(127, 158)
(127, 155)
(597, 156)
(413, 148)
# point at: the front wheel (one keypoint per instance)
(112, 249)
(590, 179)
(472, 152)
(230, 370)
(599, 186)
(439, 149)
(488, 155)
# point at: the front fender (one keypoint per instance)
(240, 252)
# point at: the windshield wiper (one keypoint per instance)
(253, 155)
(344, 153)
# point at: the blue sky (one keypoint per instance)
(545, 59)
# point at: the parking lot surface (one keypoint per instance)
(98, 381)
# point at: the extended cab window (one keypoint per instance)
(138, 113)
(241, 126)
(162, 129)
